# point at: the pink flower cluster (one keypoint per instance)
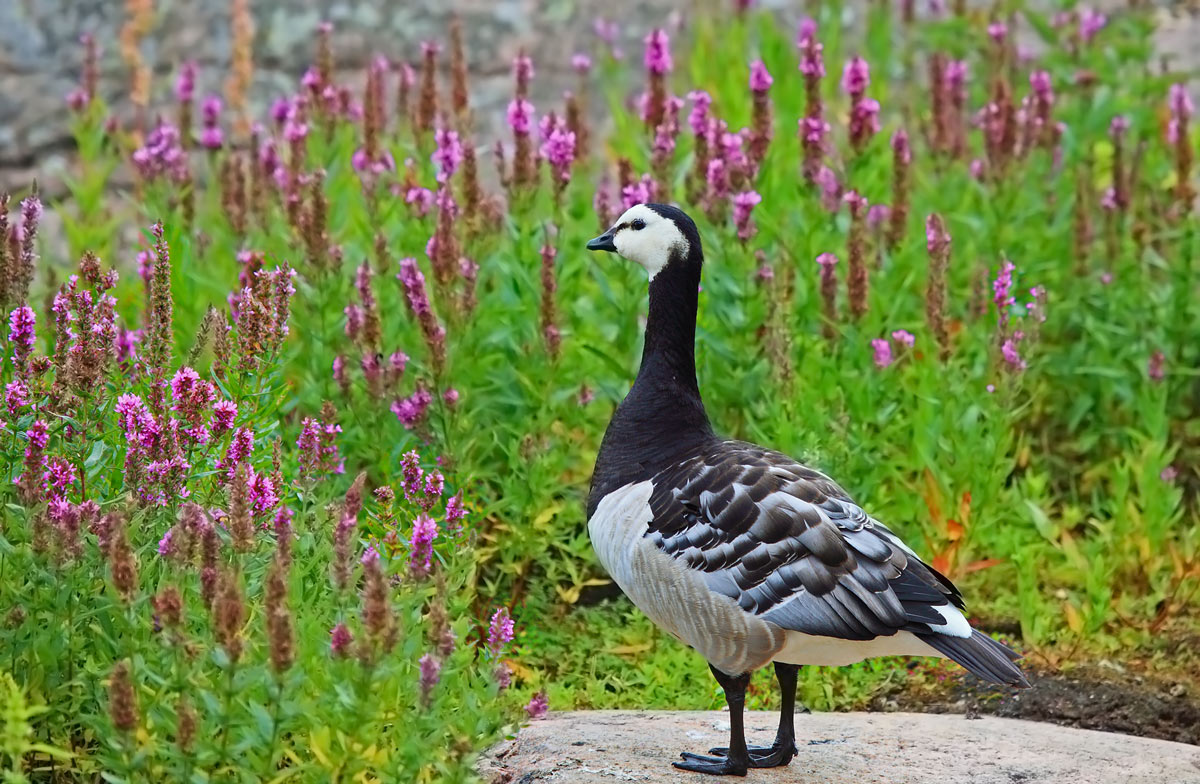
(318, 448)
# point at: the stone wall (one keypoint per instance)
(40, 56)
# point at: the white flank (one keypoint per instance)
(672, 595)
(801, 648)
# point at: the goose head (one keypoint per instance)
(655, 236)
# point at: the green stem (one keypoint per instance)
(226, 712)
(275, 705)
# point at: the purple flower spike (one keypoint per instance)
(743, 204)
(856, 77)
(760, 78)
(658, 52)
(883, 352)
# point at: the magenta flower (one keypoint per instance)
(38, 434)
(812, 61)
(760, 78)
(431, 673)
(1091, 22)
(523, 69)
(538, 706)
(1169, 474)
(420, 199)
(831, 189)
(806, 30)
(1002, 286)
(1011, 355)
(412, 409)
(657, 58)
(455, 512)
(410, 465)
(500, 631)
(520, 116)
(211, 136)
(1156, 366)
(340, 640)
(558, 147)
(997, 31)
(813, 130)
(1042, 86)
(238, 451)
(16, 396)
(421, 546)
(1181, 108)
(877, 215)
(698, 118)
(21, 335)
(638, 192)
(581, 63)
(450, 397)
(864, 121)
(856, 76)
(166, 545)
(904, 337)
(448, 154)
(883, 352)
(136, 420)
(743, 204)
(185, 83)
(224, 413)
(161, 155)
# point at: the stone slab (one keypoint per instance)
(601, 747)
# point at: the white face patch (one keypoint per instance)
(652, 244)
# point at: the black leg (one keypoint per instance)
(784, 748)
(737, 760)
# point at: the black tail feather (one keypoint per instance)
(981, 655)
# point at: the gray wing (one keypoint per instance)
(788, 545)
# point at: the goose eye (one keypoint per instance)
(638, 224)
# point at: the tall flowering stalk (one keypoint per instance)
(1181, 109)
(901, 187)
(520, 120)
(812, 126)
(372, 159)
(1119, 192)
(701, 124)
(413, 281)
(827, 262)
(558, 148)
(549, 316)
(159, 337)
(658, 63)
(459, 92)
(743, 204)
(937, 242)
(864, 112)
(427, 104)
(23, 250)
(856, 282)
(761, 123)
(378, 619)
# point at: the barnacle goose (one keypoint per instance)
(741, 552)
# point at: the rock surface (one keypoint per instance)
(600, 747)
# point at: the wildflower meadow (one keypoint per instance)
(300, 407)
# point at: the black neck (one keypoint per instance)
(662, 419)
